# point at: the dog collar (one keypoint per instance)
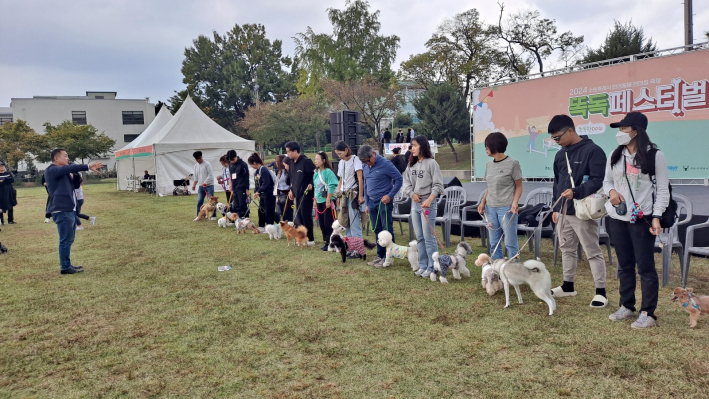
(691, 298)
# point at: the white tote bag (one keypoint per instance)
(592, 207)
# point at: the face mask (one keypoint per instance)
(623, 138)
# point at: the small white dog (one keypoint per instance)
(224, 222)
(531, 272)
(385, 240)
(222, 208)
(337, 230)
(274, 231)
(455, 263)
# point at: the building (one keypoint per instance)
(5, 115)
(120, 119)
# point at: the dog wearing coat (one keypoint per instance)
(531, 272)
(454, 263)
(410, 253)
(693, 304)
(358, 245)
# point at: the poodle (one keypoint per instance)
(455, 262)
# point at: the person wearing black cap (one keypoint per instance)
(8, 195)
(587, 162)
(239, 183)
(636, 177)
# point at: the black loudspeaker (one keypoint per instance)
(345, 126)
(451, 182)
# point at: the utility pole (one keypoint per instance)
(688, 24)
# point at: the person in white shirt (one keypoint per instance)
(225, 178)
(79, 192)
(204, 176)
(637, 183)
(351, 186)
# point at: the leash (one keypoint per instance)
(372, 227)
(502, 236)
(541, 223)
(691, 298)
(332, 208)
(424, 214)
(297, 209)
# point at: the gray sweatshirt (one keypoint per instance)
(423, 178)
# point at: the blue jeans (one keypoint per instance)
(200, 197)
(66, 226)
(355, 229)
(495, 216)
(380, 219)
(426, 240)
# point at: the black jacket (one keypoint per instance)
(399, 162)
(242, 175)
(586, 159)
(7, 192)
(61, 187)
(301, 174)
(266, 182)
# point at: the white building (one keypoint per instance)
(120, 119)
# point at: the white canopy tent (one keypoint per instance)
(188, 131)
(128, 167)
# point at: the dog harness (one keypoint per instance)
(356, 244)
(691, 298)
(396, 251)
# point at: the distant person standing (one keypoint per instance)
(302, 170)
(79, 192)
(351, 187)
(412, 134)
(399, 136)
(8, 195)
(62, 204)
(386, 138)
(264, 191)
(284, 205)
(398, 160)
(204, 176)
(225, 178)
(407, 155)
(239, 183)
(407, 138)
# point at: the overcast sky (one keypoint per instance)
(136, 47)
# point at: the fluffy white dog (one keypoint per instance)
(274, 231)
(224, 222)
(455, 263)
(337, 230)
(385, 240)
(531, 272)
(222, 208)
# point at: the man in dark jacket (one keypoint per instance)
(398, 160)
(62, 203)
(301, 173)
(239, 183)
(8, 198)
(386, 138)
(588, 163)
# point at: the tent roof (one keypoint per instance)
(192, 126)
(155, 126)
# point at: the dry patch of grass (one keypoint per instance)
(151, 316)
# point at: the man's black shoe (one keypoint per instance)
(73, 270)
(324, 248)
(11, 223)
(79, 267)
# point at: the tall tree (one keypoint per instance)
(443, 114)
(80, 142)
(302, 119)
(354, 49)
(623, 40)
(17, 142)
(224, 74)
(527, 32)
(403, 120)
(373, 99)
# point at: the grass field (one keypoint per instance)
(152, 316)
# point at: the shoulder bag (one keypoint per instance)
(592, 207)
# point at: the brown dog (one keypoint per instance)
(299, 234)
(246, 223)
(693, 304)
(207, 209)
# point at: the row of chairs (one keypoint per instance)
(456, 213)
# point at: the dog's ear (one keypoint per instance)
(690, 290)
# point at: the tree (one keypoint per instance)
(80, 142)
(225, 73)
(354, 49)
(17, 141)
(303, 119)
(443, 114)
(372, 99)
(403, 120)
(159, 106)
(527, 32)
(623, 40)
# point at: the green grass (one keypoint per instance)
(152, 316)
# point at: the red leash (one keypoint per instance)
(424, 214)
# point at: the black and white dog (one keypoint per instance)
(3, 249)
(339, 245)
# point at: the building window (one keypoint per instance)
(133, 118)
(5, 119)
(98, 97)
(78, 117)
(130, 137)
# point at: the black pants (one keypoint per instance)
(305, 215)
(10, 215)
(238, 202)
(325, 220)
(266, 210)
(47, 215)
(634, 244)
(79, 215)
(285, 206)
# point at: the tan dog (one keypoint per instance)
(299, 234)
(207, 209)
(693, 304)
(246, 223)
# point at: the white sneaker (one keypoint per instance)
(79, 227)
(213, 218)
(622, 314)
(195, 219)
(311, 243)
(419, 272)
(46, 220)
(92, 219)
(426, 274)
(643, 321)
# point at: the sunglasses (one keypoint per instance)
(557, 138)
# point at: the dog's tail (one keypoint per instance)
(302, 229)
(368, 244)
(413, 244)
(535, 266)
(466, 247)
(482, 259)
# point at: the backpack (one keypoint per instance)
(532, 215)
(670, 214)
